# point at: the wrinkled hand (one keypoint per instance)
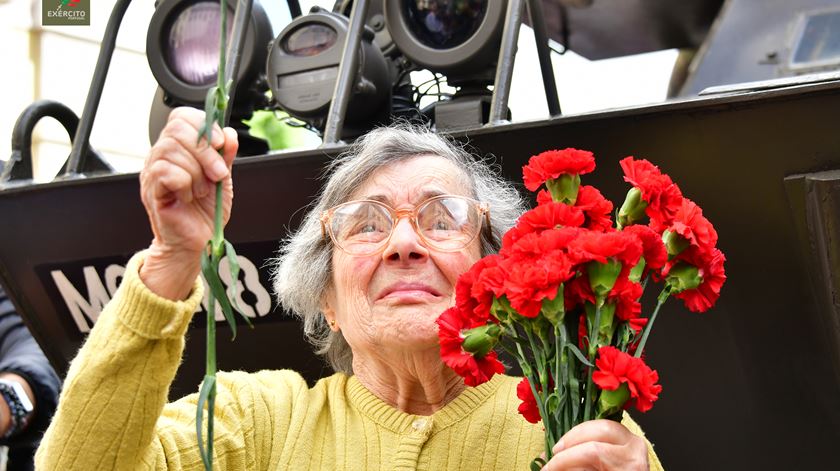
(599, 445)
(177, 186)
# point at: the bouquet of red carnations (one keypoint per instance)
(563, 294)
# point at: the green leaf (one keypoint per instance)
(537, 464)
(561, 409)
(509, 349)
(210, 113)
(272, 127)
(210, 270)
(577, 353)
(233, 262)
(207, 395)
(574, 395)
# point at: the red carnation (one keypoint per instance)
(615, 367)
(710, 269)
(663, 196)
(638, 324)
(543, 217)
(596, 209)
(472, 298)
(625, 295)
(529, 281)
(600, 246)
(692, 226)
(551, 164)
(528, 408)
(653, 250)
(535, 266)
(451, 324)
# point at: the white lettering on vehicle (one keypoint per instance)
(85, 310)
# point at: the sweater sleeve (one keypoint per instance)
(117, 385)
(112, 413)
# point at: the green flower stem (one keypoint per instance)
(210, 370)
(550, 440)
(216, 102)
(565, 359)
(218, 228)
(593, 349)
(660, 300)
(559, 382)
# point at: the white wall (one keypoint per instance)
(57, 62)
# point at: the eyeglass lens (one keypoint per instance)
(445, 223)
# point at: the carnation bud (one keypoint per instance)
(683, 276)
(612, 402)
(480, 340)
(602, 276)
(607, 326)
(554, 309)
(633, 209)
(564, 189)
(674, 243)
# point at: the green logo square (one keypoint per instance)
(65, 12)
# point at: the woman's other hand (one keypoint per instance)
(599, 445)
(178, 189)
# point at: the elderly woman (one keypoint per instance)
(369, 271)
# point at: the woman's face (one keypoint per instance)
(392, 298)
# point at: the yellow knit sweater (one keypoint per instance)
(112, 413)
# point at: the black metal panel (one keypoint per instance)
(748, 385)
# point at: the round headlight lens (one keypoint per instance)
(310, 40)
(192, 48)
(443, 24)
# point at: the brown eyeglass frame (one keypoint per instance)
(396, 215)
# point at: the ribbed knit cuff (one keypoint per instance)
(149, 315)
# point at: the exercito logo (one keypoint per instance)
(65, 12)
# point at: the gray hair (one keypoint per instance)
(302, 271)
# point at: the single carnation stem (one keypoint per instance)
(216, 252)
(210, 370)
(660, 300)
(561, 379)
(594, 335)
(558, 349)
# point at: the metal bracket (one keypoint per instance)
(507, 57)
(346, 74)
(19, 166)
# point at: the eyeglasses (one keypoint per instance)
(446, 223)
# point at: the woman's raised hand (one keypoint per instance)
(178, 189)
(599, 445)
